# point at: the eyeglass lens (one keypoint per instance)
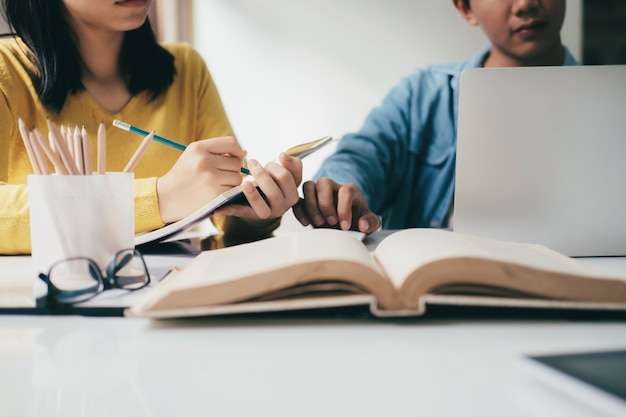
(76, 280)
(128, 270)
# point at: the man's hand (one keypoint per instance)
(329, 204)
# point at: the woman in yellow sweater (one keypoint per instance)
(82, 62)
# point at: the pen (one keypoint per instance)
(168, 142)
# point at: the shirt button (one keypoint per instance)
(434, 223)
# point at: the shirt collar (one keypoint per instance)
(455, 70)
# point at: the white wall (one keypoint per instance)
(294, 70)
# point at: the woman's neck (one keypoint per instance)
(100, 52)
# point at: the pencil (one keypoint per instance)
(59, 167)
(55, 135)
(86, 151)
(39, 156)
(141, 132)
(69, 141)
(28, 145)
(139, 152)
(168, 142)
(102, 148)
(78, 149)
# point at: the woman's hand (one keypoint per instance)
(279, 185)
(205, 169)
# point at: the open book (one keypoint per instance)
(408, 271)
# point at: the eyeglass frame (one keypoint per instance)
(104, 282)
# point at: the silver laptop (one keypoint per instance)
(541, 157)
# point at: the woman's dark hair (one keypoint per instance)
(466, 3)
(42, 25)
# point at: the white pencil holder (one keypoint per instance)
(80, 216)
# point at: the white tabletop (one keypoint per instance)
(90, 366)
(79, 366)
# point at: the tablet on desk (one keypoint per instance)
(596, 378)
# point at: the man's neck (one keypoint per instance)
(555, 56)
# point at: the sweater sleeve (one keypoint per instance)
(14, 219)
(14, 212)
(147, 215)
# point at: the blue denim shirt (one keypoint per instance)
(403, 158)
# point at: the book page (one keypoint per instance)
(250, 270)
(403, 252)
(311, 246)
(421, 261)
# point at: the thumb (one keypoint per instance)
(293, 165)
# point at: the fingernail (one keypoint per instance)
(331, 220)
(254, 165)
(248, 186)
(345, 225)
(318, 220)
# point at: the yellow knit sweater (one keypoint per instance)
(189, 110)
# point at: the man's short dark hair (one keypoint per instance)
(466, 3)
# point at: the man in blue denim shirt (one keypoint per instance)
(400, 165)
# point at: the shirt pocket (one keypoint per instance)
(435, 152)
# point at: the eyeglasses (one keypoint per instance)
(77, 279)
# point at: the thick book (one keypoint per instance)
(409, 271)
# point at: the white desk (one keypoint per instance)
(84, 366)
(79, 366)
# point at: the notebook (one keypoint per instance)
(541, 157)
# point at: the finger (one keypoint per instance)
(287, 186)
(256, 200)
(311, 208)
(368, 223)
(354, 212)
(265, 182)
(293, 165)
(199, 159)
(300, 214)
(326, 200)
(225, 163)
(211, 172)
(345, 203)
(236, 210)
(220, 146)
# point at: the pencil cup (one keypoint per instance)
(88, 216)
